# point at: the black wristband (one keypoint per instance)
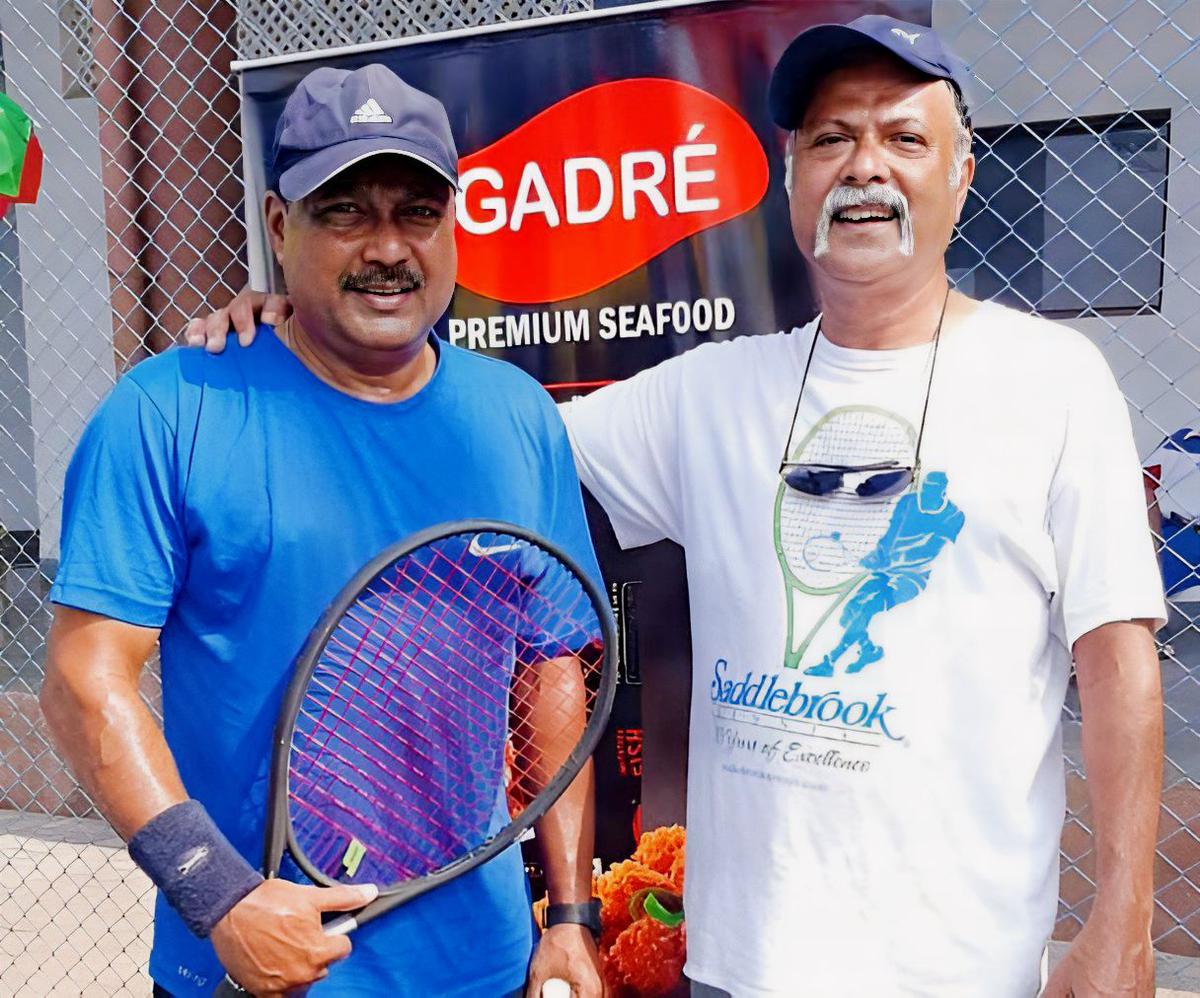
(586, 913)
(199, 872)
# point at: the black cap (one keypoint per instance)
(336, 117)
(813, 53)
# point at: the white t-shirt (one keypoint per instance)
(890, 827)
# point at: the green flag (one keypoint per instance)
(20, 156)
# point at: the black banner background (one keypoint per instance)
(493, 81)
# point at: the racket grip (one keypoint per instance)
(229, 988)
(556, 987)
(341, 925)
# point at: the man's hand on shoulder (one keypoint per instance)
(272, 942)
(241, 315)
(1106, 960)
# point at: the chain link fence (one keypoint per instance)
(1086, 208)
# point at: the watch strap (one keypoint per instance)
(585, 913)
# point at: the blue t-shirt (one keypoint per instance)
(227, 499)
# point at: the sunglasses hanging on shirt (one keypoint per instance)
(879, 480)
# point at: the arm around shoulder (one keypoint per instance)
(625, 439)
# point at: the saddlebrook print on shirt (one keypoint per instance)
(841, 552)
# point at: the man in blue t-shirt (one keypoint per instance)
(220, 502)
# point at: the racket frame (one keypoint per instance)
(279, 835)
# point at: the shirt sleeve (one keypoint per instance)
(123, 553)
(626, 442)
(567, 524)
(554, 621)
(1107, 569)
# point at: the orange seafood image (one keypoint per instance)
(643, 940)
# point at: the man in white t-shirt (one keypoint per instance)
(900, 522)
(882, 639)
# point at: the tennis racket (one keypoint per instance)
(820, 541)
(445, 699)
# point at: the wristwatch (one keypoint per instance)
(586, 913)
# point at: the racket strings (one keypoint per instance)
(537, 597)
(382, 673)
(388, 723)
(336, 733)
(319, 792)
(370, 629)
(449, 695)
(301, 776)
(381, 803)
(573, 602)
(367, 630)
(573, 611)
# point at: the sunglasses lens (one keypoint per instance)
(887, 483)
(813, 482)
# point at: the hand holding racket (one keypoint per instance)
(446, 698)
(273, 939)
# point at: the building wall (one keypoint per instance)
(1059, 59)
(64, 283)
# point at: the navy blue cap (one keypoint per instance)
(336, 117)
(814, 53)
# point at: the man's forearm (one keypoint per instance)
(118, 755)
(1120, 694)
(566, 839)
(551, 716)
(100, 725)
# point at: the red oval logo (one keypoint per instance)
(599, 183)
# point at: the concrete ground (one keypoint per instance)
(75, 913)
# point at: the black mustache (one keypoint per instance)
(401, 276)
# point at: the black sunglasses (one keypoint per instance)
(881, 480)
(870, 481)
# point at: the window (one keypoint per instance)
(1067, 217)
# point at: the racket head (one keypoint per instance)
(820, 541)
(464, 655)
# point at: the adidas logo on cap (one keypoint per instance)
(371, 114)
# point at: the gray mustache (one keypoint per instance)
(843, 197)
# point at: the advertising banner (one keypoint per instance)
(622, 201)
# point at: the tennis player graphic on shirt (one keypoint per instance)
(922, 523)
